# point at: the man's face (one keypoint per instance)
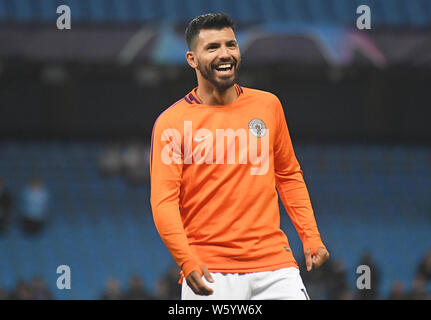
(218, 56)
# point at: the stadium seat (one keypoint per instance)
(414, 13)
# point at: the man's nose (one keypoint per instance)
(224, 53)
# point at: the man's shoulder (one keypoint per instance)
(173, 112)
(261, 94)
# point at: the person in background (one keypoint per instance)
(424, 268)
(110, 161)
(316, 280)
(35, 206)
(417, 290)
(5, 206)
(168, 287)
(3, 294)
(38, 289)
(347, 294)
(136, 290)
(112, 290)
(136, 163)
(373, 292)
(397, 291)
(336, 280)
(21, 292)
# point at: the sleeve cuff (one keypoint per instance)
(313, 244)
(189, 266)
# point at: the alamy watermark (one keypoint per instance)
(364, 280)
(252, 147)
(64, 280)
(364, 20)
(64, 21)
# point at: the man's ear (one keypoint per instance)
(191, 59)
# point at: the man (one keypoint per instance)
(5, 206)
(218, 157)
(35, 206)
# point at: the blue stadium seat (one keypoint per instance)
(47, 10)
(145, 11)
(418, 14)
(23, 10)
(122, 10)
(293, 10)
(3, 11)
(414, 13)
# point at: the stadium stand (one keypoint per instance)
(394, 13)
(98, 227)
(365, 198)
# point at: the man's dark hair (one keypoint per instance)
(207, 21)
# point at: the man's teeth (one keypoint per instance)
(224, 67)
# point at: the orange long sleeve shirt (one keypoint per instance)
(215, 172)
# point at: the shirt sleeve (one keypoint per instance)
(166, 167)
(291, 186)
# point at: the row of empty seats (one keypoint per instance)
(384, 13)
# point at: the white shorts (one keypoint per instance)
(282, 284)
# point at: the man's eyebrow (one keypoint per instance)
(210, 44)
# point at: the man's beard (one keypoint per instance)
(209, 73)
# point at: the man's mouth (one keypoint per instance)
(224, 68)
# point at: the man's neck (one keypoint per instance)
(213, 96)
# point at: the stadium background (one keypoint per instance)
(357, 104)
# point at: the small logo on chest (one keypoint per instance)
(257, 127)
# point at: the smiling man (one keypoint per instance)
(214, 54)
(218, 157)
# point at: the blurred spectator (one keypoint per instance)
(110, 161)
(424, 268)
(168, 287)
(315, 280)
(373, 292)
(112, 290)
(5, 206)
(136, 163)
(21, 292)
(162, 290)
(38, 289)
(336, 280)
(35, 205)
(3, 294)
(347, 294)
(417, 291)
(136, 290)
(397, 291)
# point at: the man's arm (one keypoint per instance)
(294, 194)
(166, 167)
